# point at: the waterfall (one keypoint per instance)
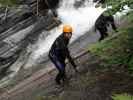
(80, 14)
(81, 19)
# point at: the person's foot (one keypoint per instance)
(57, 82)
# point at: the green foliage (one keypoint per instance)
(117, 5)
(130, 67)
(39, 98)
(10, 3)
(122, 97)
(112, 52)
(117, 50)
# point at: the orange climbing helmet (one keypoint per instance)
(67, 29)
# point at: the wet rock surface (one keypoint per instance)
(20, 29)
(91, 82)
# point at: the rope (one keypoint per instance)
(37, 7)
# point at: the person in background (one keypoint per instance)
(102, 24)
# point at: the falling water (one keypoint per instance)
(81, 19)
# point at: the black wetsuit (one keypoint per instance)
(58, 54)
(102, 23)
(110, 20)
(101, 26)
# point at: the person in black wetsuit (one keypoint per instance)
(102, 24)
(59, 52)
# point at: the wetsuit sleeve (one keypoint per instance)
(70, 58)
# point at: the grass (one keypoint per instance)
(122, 97)
(117, 50)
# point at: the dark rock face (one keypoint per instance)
(13, 20)
(6, 62)
(48, 4)
(42, 4)
(24, 16)
(13, 43)
(99, 1)
(45, 5)
(78, 4)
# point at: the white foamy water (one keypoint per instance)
(81, 19)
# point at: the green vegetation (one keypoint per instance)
(118, 5)
(10, 3)
(117, 49)
(122, 97)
